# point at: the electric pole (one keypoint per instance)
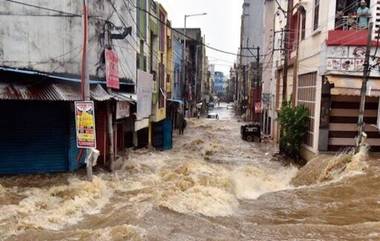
(85, 78)
(286, 50)
(366, 73)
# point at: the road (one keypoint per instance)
(211, 186)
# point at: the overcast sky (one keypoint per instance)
(221, 25)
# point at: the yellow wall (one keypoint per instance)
(169, 62)
(159, 114)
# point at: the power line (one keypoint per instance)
(188, 37)
(44, 8)
(60, 13)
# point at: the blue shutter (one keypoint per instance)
(34, 137)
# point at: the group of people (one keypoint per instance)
(348, 18)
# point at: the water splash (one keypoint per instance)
(252, 182)
(2, 190)
(198, 187)
(324, 168)
(55, 207)
(208, 201)
(115, 233)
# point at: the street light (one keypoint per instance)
(184, 43)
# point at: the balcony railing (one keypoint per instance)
(347, 37)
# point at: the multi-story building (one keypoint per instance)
(326, 59)
(177, 84)
(169, 60)
(219, 84)
(40, 59)
(211, 69)
(194, 66)
(250, 55)
(40, 69)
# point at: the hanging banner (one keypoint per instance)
(112, 69)
(122, 110)
(85, 124)
(144, 94)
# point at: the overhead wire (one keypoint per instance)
(186, 36)
(59, 13)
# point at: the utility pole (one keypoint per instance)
(184, 60)
(258, 84)
(85, 78)
(85, 85)
(258, 65)
(295, 65)
(286, 50)
(366, 73)
(255, 82)
(110, 127)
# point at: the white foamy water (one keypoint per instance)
(2, 190)
(252, 182)
(333, 168)
(211, 186)
(118, 232)
(55, 207)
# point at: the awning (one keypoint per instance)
(99, 93)
(123, 96)
(351, 86)
(49, 92)
(62, 77)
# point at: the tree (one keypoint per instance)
(294, 125)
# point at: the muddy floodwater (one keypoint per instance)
(211, 186)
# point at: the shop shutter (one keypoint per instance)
(34, 137)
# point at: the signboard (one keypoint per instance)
(122, 109)
(350, 60)
(144, 94)
(112, 69)
(85, 124)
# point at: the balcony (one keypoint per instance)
(344, 53)
(347, 38)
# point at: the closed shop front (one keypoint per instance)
(35, 137)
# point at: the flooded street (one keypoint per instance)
(211, 186)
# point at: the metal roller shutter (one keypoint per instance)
(34, 137)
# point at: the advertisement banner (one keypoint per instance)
(144, 94)
(85, 124)
(122, 110)
(112, 69)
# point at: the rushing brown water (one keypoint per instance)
(211, 186)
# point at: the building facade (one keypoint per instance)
(40, 66)
(325, 73)
(249, 61)
(219, 84)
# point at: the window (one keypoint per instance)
(316, 14)
(162, 32)
(141, 19)
(303, 23)
(306, 96)
(141, 58)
